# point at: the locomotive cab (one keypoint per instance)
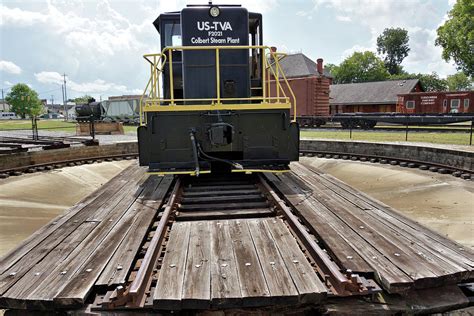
(210, 105)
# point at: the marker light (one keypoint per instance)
(214, 12)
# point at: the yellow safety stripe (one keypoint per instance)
(193, 172)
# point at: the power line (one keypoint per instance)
(43, 92)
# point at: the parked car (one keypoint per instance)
(8, 116)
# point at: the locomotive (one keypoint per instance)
(209, 104)
(91, 109)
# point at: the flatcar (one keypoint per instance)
(209, 106)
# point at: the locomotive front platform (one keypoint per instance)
(268, 242)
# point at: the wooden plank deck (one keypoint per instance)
(60, 264)
(364, 235)
(213, 260)
(235, 263)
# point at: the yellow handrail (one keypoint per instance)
(272, 66)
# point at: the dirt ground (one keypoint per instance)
(441, 202)
(28, 202)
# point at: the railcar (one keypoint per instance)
(209, 105)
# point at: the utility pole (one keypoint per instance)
(64, 103)
(52, 102)
(3, 99)
(65, 97)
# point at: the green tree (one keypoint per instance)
(329, 67)
(82, 100)
(392, 44)
(456, 36)
(459, 82)
(24, 101)
(360, 67)
(429, 82)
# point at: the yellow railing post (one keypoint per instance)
(218, 76)
(264, 69)
(277, 79)
(170, 56)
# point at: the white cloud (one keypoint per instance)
(8, 83)
(343, 18)
(357, 48)
(95, 86)
(49, 77)
(9, 67)
(18, 17)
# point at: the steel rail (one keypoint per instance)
(137, 290)
(417, 162)
(341, 285)
(62, 162)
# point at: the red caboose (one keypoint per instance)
(436, 102)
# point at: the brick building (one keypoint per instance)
(310, 84)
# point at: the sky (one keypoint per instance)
(99, 44)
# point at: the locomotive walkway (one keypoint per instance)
(290, 240)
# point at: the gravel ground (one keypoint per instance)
(103, 139)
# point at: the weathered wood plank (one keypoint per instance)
(297, 194)
(14, 297)
(220, 193)
(277, 277)
(224, 198)
(390, 276)
(253, 287)
(76, 291)
(197, 279)
(98, 196)
(147, 207)
(225, 288)
(219, 188)
(57, 236)
(438, 244)
(425, 267)
(310, 288)
(224, 214)
(222, 206)
(53, 283)
(169, 288)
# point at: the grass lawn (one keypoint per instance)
(53, 125)
(426, 137)
(59, 125)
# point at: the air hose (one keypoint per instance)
(205, 156)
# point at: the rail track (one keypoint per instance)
(5, 173)
(463, 173)
(218, 199)
(402, 129)
(286, 242)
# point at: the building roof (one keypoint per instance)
(378, 92)
(300, 65)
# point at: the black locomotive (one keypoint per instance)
(90, 110)
(213, 103)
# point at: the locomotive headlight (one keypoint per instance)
(214, 12)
